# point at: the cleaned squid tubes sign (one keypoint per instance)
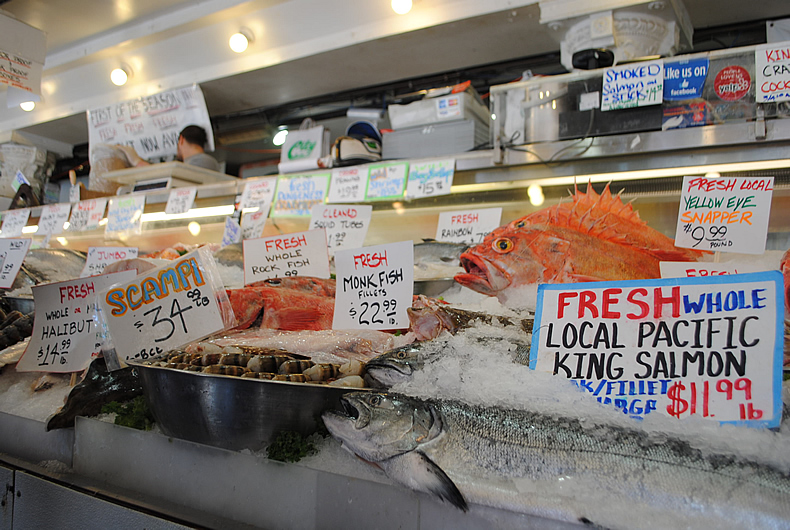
(707, 347)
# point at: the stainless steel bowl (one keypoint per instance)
(233, 412)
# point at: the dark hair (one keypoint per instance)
(194, 135)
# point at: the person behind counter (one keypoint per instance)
(191, 150)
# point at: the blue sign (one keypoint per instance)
(685, 79)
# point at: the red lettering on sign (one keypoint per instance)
(371, 261)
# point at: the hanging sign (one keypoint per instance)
(684, 79)
(297, 254)
(12, 254)
(180, 200)
(125, 215)
(707, 347)
(258, 192)
(53, 217)
(728, 214)
(86, 215)
(252, 224)
(296, 196)
(99, 257)
(232, 233)
(633, 85)
(14, 221)
(346, 225)
(467, 226)
(386, 182)
(64, 337)
(429, 179)
(374, 286)
(347, 184)
(772, 72)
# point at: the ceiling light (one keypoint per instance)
(194, 228)
(121, 75)
(401, 7)
(535, 194)
(239, 41)
(279, 138)
(27, 106)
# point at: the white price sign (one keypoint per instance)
(53, 217)
(12, 254)
(297, 254)
(99, 257)
(252, 224)
(386, 181)
(65, 336)
(258, 192)
(14, 221)
(346, 225)
(164, 308)
(125, 215)
(232, 233)
(633, 85)
(180, 200)
(685, 269)
(374, 287)
(347, 184)
(727, 214)
(429, 179)
(86, 215)
(467, 226)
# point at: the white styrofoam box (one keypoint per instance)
(461, 106)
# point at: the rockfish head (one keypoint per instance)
(393, 367)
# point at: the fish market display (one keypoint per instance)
(46, 265)
(596, 237)
(503, 458)
(437, 259)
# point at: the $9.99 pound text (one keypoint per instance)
(371, 313)
(715, 235)
(697, 400)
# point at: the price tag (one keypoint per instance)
(772, 72)
(125, 215)
(386, 182)
(633, 85)
(19, 179)
(374, 286)
(74, 193)
(707, 347)
(99, 257)
(685, 269)
(53, 217)
(12, 254)
(258, 192)
(297, 254)
(467, 226)
(346, 225)
(14, 221)
(728, 214)
(180, 200)
(164, 308)
(65, 335)
(347, 184)
(252, 224)
(297, 195)
(429, 179)
(86, 215)
(232, 233)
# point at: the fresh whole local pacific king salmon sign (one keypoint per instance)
(708, 347)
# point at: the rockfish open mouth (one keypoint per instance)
(477, 276)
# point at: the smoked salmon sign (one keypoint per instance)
(708, 347)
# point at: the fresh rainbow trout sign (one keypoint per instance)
(708, 347)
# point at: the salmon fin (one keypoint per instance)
(416, 471)
(298, 318)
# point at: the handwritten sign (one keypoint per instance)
(164, 308)
(429, 179)
(86, 215)
(297, 195)
(633, 85)
(64, 335)
(708, 347)
(724, 214)
(467, 226)
(297, 254)
(20, 72)
(346, 225)
(252, 224)
(772, 72)
(19, 179)
(374, 286)
(53, 217)
(14, 221)
(12, 255)
(386, 181)
(347, 184)
(99, 257)
(232, 233)
(180, 200)
(74, 194)
(125, 215)
(685, 269)
(258, 192)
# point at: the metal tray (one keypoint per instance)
(233, 412)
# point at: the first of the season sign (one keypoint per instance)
(708, 347)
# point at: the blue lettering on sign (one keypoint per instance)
(685, 79)
(631, 397)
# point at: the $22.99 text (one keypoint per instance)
(371, 313)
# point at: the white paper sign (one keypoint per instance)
(257, 193)
(346, 225)
(633, 85)
(125, 215)
(53, 217)
(180, 200)
(164, 308)
(74, 194)
(14, 221)
(386, 181)
(252, 224)
(772, 72)
(232, 233)
(65, 337)
(347, 184)
(86, 215)
(685, 269)
(467, 226)
(12, 254)
(99, 257)
(727, 214)
(296, 195)
(297, 254)
(706, 347)
(374, 286)
(19, 179)
(429, 179)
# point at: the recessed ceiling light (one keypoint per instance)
(120, 76)
(401, 7)
(27, 106)
(279, 138)
(240, 41)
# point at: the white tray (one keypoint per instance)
(197, 175)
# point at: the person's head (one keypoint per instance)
(191, 140)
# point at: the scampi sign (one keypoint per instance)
(709, 347)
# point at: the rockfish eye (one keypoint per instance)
(502, 245)
(520, 224)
